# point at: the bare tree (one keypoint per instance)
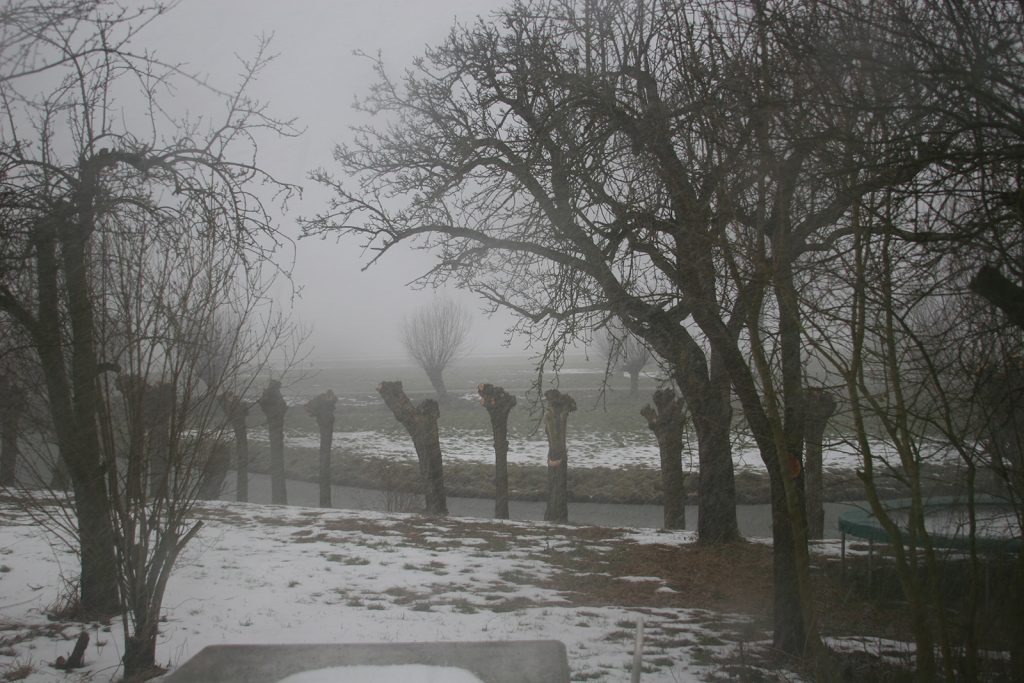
(434, 336)
(79, 177)
(624, 351)
(162, 429)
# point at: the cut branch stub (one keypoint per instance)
(421, 423)
(666, 421)
(498, 404)
(556, 417)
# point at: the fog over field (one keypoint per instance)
(315, 78)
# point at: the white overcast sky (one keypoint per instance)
(315, 78)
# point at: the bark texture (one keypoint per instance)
(556, 417)
(665, 419)
(421, 423)
(705, 389)
(322, 408)
(821, 405)
(498, 404)
(273, 405)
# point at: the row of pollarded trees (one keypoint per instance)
(421, 423)
(747, 185)
(135, 252)
(666, 420)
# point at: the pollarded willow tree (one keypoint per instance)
(676, 166)
(434, 336)
(624, 352)
(94, 151)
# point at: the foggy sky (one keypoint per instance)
(315, 78)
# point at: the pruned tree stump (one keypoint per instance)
(421, 423)
(273, 405)
(665, 419)
(556, 417)
(237, 412)
(498, 404)
(321, 407)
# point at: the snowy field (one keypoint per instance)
(586, 449)
(266, 574)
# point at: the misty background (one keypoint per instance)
(315, 78)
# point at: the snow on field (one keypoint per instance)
(271, 574)
(586, 449)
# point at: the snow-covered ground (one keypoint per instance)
(268, 574)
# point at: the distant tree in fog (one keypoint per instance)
(624, 352)
(434, 336)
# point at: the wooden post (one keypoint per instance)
(322, 408)
(820, 407)
(665, 419)
(498, 404)
(556, 416)
(421, 423)
(274, 407)
(237, 412)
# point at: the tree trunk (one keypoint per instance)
(556, 417)
(215, 470)
(274, 407)
(820, 407)
(706, 393)
(158, 406)
(140, 655)
(421, 423)
(790, 633)
(498, 404)
(322, 408)
(98, 580)
(11, 404)
(72, 395)
(666, 421)
(237, 412)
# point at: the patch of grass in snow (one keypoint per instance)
(517, 576)
(18, 670)
(619, 635)
(465, 606)
(348, 560)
